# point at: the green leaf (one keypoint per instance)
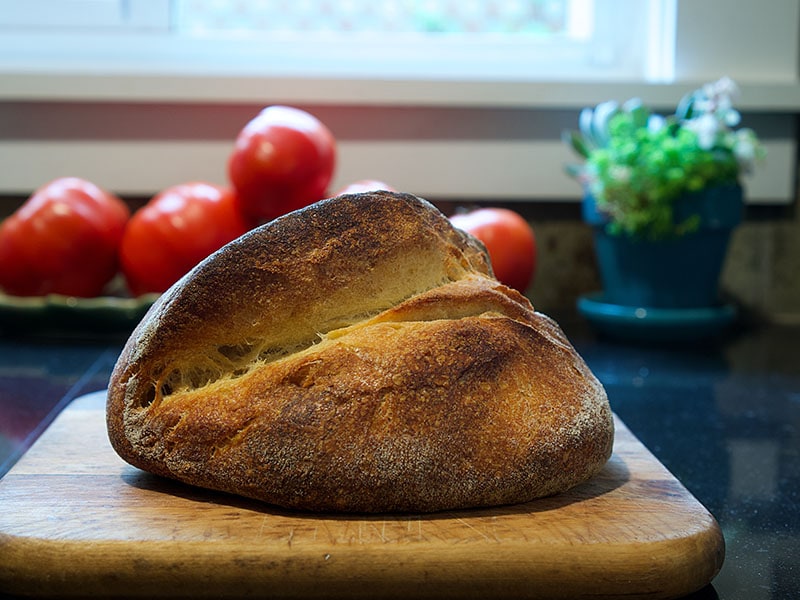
(603, 113)
(574, 171)
(585, 127)
(639, 113)
(577, 142)
(685, 107)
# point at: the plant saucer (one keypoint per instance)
(642, 323)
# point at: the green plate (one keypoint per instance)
(66, 315)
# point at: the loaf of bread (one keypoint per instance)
(357, 355)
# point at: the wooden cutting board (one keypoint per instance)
(76, 520)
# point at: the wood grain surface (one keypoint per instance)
(78, 521)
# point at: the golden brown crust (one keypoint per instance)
(357, 356)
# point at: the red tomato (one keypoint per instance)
(174, 231)
(62, 240)
(365, 185)
(509, 240)
(283, 160)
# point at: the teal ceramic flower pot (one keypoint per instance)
(676, 273)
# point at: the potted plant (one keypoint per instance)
(663, 194)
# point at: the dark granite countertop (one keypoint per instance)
(724, 418)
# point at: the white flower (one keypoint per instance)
(717, 98)
(731, 117)
(706, 126)
(703, 104)
(656, 123)
(724, 87)
(721, 92)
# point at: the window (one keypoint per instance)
(445, 39)
(539, 18)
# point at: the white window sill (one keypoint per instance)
(97, 85)
(467, 140)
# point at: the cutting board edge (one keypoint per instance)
(662, 569)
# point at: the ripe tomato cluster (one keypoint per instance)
(72, 237)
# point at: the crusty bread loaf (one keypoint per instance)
(357, 355)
